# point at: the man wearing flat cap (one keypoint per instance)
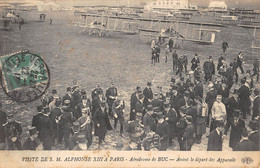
(175, 97)
(148, 94)
(215, 139)
(163, 130)
(32, 142)
(133, 100)
(13, 132)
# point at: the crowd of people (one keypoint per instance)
(196, 99)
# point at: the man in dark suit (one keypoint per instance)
(148, 94)
(215, 138)
(111, 94)
(170, 116)
(194, 62)
(65, 123)
(244, 99)
(163, 130)
(231, 106)
(46, 129)
(156, 102)
(256, 104)
(76, 97)
(32, 142)
(209, 69)
(54, 116)
(148, 119)
(36, 119)
(67, 96)
(198, 89)
(237, 125)
(245, 144)
(133, 100)
(230, 76)
(102, 123)
(118, 109)
(3, 120)
(174, 60)
(254, 134)
(188, 138)
(85, 103)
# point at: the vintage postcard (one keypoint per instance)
(129, 83)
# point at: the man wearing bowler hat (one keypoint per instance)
(85, 103)
(163, 130)
(133, 100)
(148, 94)
(68, 96)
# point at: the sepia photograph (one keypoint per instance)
(129, 82)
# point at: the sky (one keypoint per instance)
(255, 4)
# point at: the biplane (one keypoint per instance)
(103, 24)
(5, 23)
(178, 31)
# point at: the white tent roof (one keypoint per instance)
(217, 4)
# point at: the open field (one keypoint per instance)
(73, 55)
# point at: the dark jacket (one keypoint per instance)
(198, 90)
(148, 120)
(148, 96)
(215, 141)
(101, 117)
(46, 132)
(211, 97)
(236, 130)
(245, 145)
(133, 101)
(36, 121)
(194, 63)
(163, 130)
(243, 94)
(256, 107)
(30, 144)
(3, 120)
(231, 105)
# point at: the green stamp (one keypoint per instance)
(24, 76)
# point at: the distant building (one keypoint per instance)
(167, 4)
(217, 5)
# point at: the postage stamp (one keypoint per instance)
(24, 76)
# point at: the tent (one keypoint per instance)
(218, 4)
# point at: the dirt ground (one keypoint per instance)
(73, 55)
